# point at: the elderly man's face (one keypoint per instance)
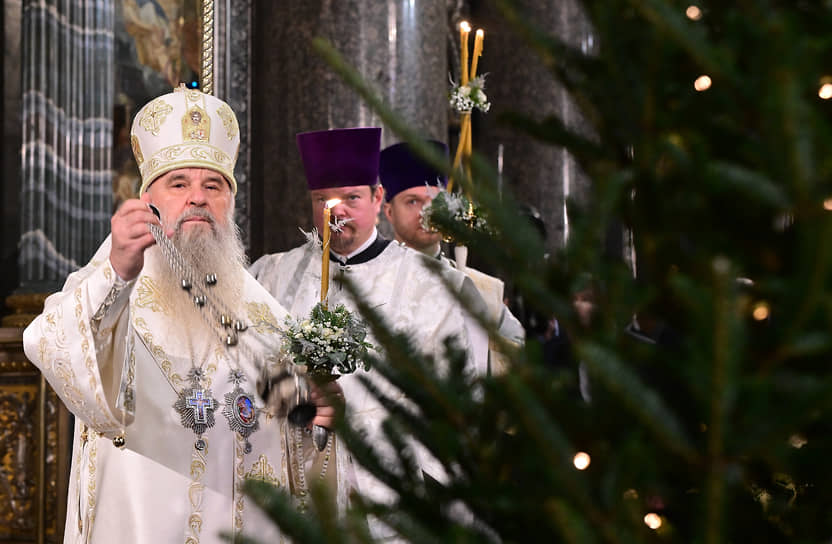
(403, 212)
(360, 204)
(192, 198)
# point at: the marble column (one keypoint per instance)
(398, 46)
(540, 175)
(66, 189)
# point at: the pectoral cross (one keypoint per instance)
(200, 405)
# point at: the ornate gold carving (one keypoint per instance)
(25, 307)
(228, 121)
(18, 458)
(33, 475)
(9, 367)
(207, 46)
(154, 116)
(262, 318)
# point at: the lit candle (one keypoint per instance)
(478, 39)
(464, 29)
(325, 248)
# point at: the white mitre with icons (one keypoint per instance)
(185, 129)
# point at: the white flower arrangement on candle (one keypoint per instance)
(329, 343)
(454, 208)
(465, 98)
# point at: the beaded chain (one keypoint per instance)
(300, 473)
(201, 297)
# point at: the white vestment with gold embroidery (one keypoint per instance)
(411, 298)
(100, 333)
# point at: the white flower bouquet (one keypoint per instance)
(452, 208)
(328, 343)
(465, 98)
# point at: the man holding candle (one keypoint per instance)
(343, 164)
(409, 185)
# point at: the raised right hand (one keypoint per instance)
(131, 236)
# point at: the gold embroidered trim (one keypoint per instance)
(92, 369)
(263, 471)
(137, 149)
(112, 295)
(239, 479)
(148, 296)
(91, 475)
(154, 116)
(196, 492)
(228, 121)
(262, 318)
(165, 364)
(192, 154)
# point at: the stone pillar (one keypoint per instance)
(398, 46)
(537, 174)
(66, 192)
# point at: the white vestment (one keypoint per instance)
(507, 326)
(411, 298)
(100, 337)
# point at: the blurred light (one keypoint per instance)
(827, 204)
(631, 494)
(702, 83)
(652, 520)
(825, 91)
(783, 221)
(693, 13)
(193, 84)
(760, 311)
(581, 460)
(797, 441)
(464, 26)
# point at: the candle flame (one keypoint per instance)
(480, 33)
(464, 26)
(331, 203)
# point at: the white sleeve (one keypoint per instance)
(77, 340)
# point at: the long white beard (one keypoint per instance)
(206, 249)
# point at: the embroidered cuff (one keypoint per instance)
(118, 287)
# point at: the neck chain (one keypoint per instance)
(195, 403)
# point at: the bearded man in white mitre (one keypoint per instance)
(157, 350)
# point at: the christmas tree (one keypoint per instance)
(707, 416)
